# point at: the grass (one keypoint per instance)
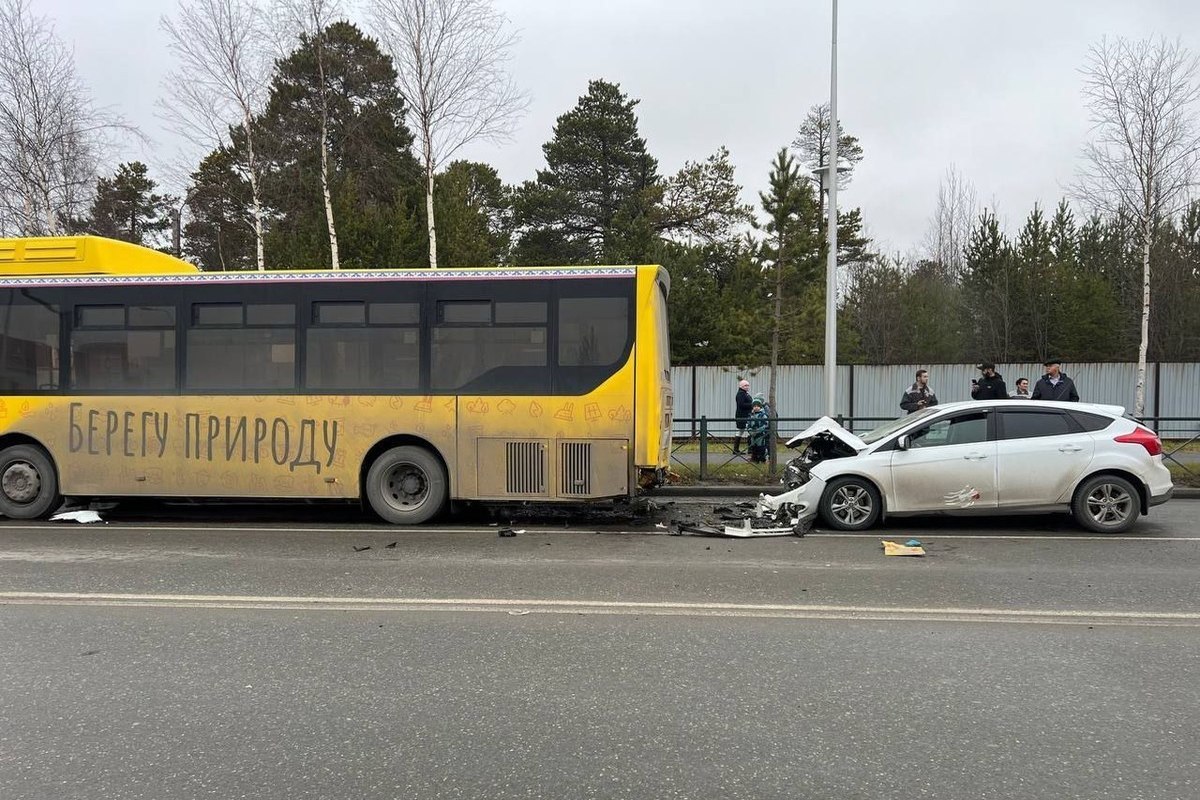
(1182, 477)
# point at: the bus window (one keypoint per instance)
(344, 352)
(109, 352)
(223, 353)
(28, 346)
(592, 331)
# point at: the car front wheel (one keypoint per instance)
(1106, 504)
(851, 504)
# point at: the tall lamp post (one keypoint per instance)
(831, 265)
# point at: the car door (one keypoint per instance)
(1041, 452)
(945, 465)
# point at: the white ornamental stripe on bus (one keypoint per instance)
(373, 276)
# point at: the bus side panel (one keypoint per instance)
(223, 446)
(548, 448)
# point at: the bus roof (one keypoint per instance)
(85, 255)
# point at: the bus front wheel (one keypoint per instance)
(28, 482)
(406, 485)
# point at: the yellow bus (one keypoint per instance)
(126, 372)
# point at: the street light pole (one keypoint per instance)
(831, 266)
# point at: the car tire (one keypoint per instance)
(407, 485)
(851, 504)
(1106, 504)
(28, 482)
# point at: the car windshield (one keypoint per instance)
(888, 428)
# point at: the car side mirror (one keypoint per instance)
(902, 442)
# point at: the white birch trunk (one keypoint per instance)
(1139, 394)
(255, 197)
(334, 261)
(429, 212)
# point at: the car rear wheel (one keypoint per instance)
(851, 504)
(1106, 504)
(28, 482)
(407, 485)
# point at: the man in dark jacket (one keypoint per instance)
(742, 407)
(1054, 385)
(919, 395)
(990, 386)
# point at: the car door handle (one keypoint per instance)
(1070, 448)
(975, 456)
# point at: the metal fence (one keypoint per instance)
(708, 448)
(1172, 389)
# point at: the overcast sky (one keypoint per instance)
(990, 86)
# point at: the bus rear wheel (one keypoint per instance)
(406, 485)
(28, 482)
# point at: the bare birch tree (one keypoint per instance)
(308, 19)
(219, 82)
(451, 57)
(950, 226)
(1144, 97)
(50, 131)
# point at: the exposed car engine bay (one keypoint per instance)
(821, 447)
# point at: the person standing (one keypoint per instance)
(1054, 385)
(1022, 392)
(919, 395)
(990, 386)
(742, 406)
(758, 429)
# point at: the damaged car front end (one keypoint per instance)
(804, 478)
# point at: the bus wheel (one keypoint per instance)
(406, 485)
(28, 483)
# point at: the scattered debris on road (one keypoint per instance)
(897, 549)
(358, 549)
(84, 517)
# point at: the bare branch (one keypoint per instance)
(451, 58)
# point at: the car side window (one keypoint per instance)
(1034, 424)
(964, 429)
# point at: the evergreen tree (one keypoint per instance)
(594, 200)
(350, 95)
(220, 232)
(991, 289)
(126, 207)
(473, 209)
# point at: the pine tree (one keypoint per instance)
(220, 233)
(594, 200)
(347, 103)
(126, 207)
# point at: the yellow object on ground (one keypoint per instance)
(897, 549)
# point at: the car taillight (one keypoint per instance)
(1147, 439)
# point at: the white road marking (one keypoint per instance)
(217, 527)
(658, 608)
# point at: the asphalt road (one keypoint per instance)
(264, 653)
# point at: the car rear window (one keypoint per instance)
(1092, 422)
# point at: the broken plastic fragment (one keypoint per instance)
(77, 516)
(897, 549)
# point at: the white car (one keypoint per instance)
(979, 457)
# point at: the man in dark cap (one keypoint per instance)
(1054, 385)
(990, 386)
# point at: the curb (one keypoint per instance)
(740, 490)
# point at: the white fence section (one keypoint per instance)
(1172, 390)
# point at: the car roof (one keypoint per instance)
(1092, 408)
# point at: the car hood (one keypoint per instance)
(830, 426)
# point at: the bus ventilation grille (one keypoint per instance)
(576, 469)
(525, 468)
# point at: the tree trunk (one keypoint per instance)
(778, 323)
(255, 197)
(334, 261)
(429, 214)
(1139, 393)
